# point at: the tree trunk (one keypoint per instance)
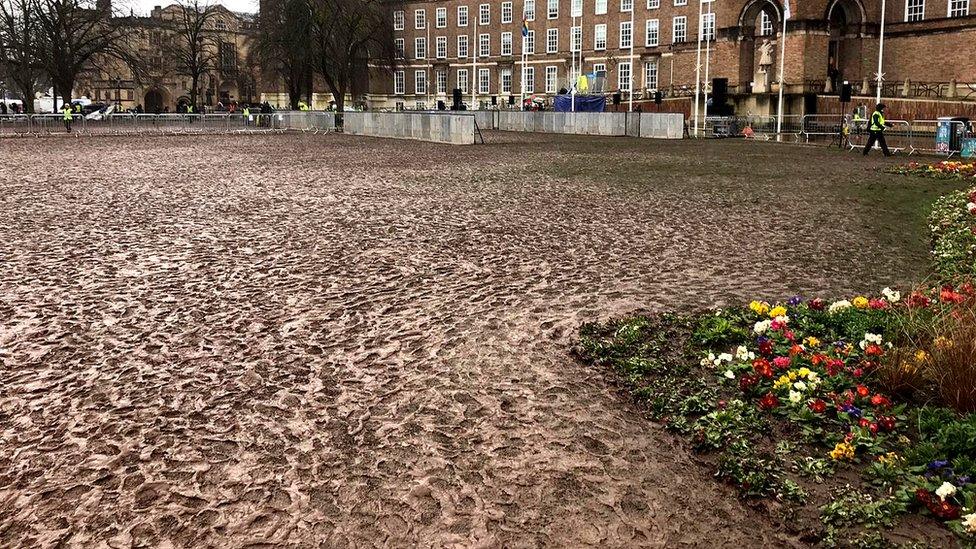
(195, 82)
(339, 96)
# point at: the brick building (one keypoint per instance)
(646, 45)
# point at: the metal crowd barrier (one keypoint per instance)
(761, 127)
(925, 131)
(166, 123)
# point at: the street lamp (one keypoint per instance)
(118, 93)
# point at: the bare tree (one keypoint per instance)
(19, 43)
(74, 36)
(193, 49)
(281, 45)
(349, 37)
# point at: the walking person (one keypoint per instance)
(68, 115)
(876, 128)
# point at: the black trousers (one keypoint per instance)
(876, 137)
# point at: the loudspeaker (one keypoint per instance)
(846, 90)
(494, 100)
(720, 90)
(441, 106)
(658, 98)
(511, 99)
(616, 98)
(457, 100)
(810, 103)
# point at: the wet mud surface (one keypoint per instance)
(336, 341)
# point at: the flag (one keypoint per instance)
(525, 27)
(786, 9)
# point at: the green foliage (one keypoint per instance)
(724, 329)
(754, 472)
(953, 241)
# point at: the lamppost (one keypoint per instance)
(118, 93)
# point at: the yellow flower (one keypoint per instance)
(943, 342)
(778, 310)
(783, 381)
(921, 356)
(812, 341)
(759, 307)
(804, 371)
(792, 375)
(842, 451)
(890, 459)
(908, 368)
(860, 302)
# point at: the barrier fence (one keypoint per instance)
(147, 124)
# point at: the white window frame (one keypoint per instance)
(399, 82)
(680, 2)
(484, 45)
(420, 77)
(576, 39)
(552, 40)
(420, 46)
(462, 80)
(599, 67)
(505, 80)
(528, 10)
(600, 7)
(626, 6)
(399, 20)
(440, 47)
(552, 9)
(766, 24)
(484, 81)
(576, 8)
(463, 46)
(528, 42)
(528, 78)
(462, 16)
(958, 8)
(600, 37)
(440, 18)
(626, 35)
(648, 65)
(552, 79)
(400, 47)
(508, 10)
(441, 78)
(507, 43)
(683, 19)
(624, 84)
(484, 15)
(420, 19)
(652, 33)
(707, 26)
(653, 4)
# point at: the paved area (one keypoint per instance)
(334, 341)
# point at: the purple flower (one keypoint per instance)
(794, 301)
(938, 464)
(853, 411)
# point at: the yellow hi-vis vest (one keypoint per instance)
(67, 114)
(877, 122)
(247, 111)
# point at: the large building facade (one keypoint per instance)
(643, 46)
(228, 78)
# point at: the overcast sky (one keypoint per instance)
(143, 7)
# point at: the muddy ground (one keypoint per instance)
(335, 341)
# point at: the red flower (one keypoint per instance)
(834, 366)
(873, 350)
(873, 427)
(967, 287)
(766, 347)
(880, 400)
(796, 350)
(858, 372)
(782, 362)
(878, 304)
(947, 295)
(818, 406)
(863, 422)
(917, 299)
(768, 401)
(788, 334)
(923, 495)
(886, 423)
(747, 382)
(817, 304)
(762, 367)
(863, 391)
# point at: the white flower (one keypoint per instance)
(839, 306)
(730, 374)
(971, 207)
(870, 338)
(813, 377)
(946, 490)
(761, 326)
(741, 352)
(795, 396)
(725, 357)
(969, 522)
(800, 386)
(893, 296)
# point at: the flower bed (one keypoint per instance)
(817, 407)
(953, 227)
(940, 170)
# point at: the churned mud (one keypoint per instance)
(334, 341)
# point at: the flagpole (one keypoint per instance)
(632, 10)
(573, 77)
(708, 51)
(698, 69)
(880, 77)
(782, 60)
(474, 61)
